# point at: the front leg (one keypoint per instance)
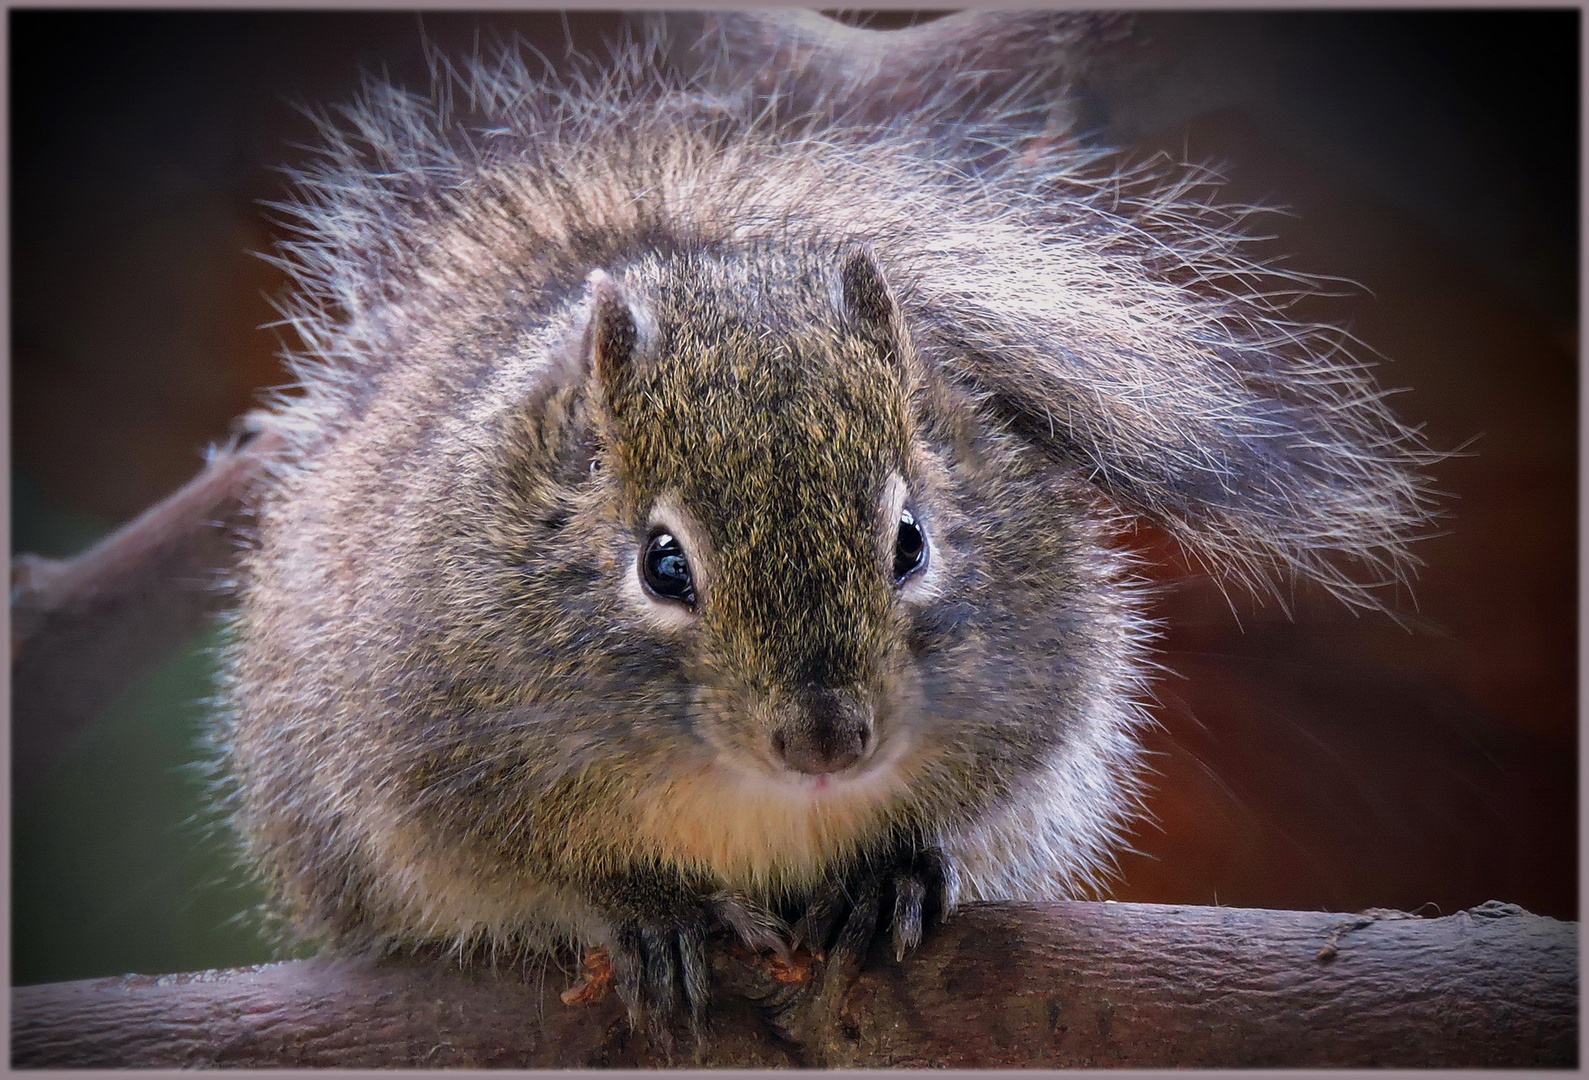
(902, 890)
(660, 923)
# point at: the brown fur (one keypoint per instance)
(456, 715)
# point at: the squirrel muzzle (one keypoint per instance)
(821, 730)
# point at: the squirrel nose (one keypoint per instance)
(822, 732)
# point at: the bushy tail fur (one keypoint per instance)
(1107, 314)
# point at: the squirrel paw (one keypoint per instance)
(659, 965)
(904, 894)
(660, 972)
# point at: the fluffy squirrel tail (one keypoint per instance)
(1106, 312)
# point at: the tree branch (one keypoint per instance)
(1057, 985)
(83, 628)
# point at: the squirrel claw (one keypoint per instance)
(910, 895)
(814, 930)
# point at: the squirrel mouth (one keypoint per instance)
(874, 769)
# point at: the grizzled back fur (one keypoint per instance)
(447, 719)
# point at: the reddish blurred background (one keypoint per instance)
(1322, 761)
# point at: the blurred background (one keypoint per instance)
(1326, 761)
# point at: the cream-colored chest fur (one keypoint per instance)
(763, 833)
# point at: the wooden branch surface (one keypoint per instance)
(1072, 984)
(83, 628)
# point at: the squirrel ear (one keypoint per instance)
(866, 297)
(611, 336)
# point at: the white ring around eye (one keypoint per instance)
(668, 516)
(922, 585)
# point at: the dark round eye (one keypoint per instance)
(910, 547)
(666, 571)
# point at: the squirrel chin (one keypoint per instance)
(759, 826)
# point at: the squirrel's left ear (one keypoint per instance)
(611, 336)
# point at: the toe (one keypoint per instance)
(694, 973)
(627, 955)
(757, 928)
(659, 972)
(816, 926)
(910, 895)
(860, 927)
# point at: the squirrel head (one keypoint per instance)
(737, 576)
(760, 444)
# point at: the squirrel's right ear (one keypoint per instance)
(868, 301)
(612, 336)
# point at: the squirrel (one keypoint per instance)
(706, 513)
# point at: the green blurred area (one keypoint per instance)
(116, 864)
